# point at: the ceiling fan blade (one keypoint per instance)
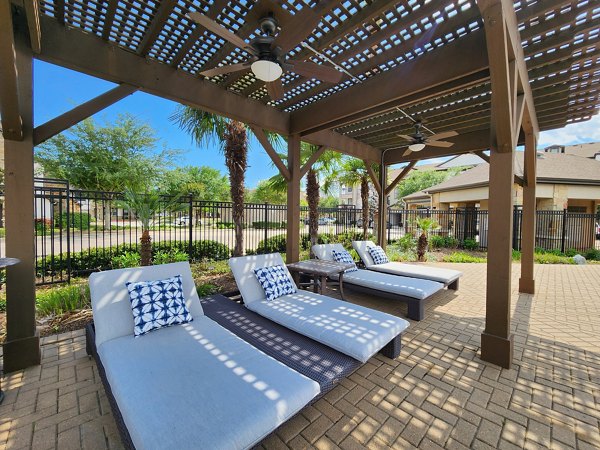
(443, 135)
(407, 152)
(275, 89)
(406, 137)
(217, 29)
(311, 70)
(298, 29)
(226, 69)
(444, 144)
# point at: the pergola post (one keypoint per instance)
(293, 200)
(527, 282)
(382, 221)
(22, 347)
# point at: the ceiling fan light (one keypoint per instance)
(266, 70)
(416, 147)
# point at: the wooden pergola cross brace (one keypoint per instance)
(264, 141)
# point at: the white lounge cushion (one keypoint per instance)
(394, 284)
(442, 275)
(198, 386)
(351, 329)
(110, 297)
(243, 271)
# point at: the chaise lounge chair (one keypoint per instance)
(413, 291)
(194, 385)
(449, 277)
(351, 329)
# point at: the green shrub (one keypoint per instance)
(462, 257)
(273, 244)
(163, 257)
(470, 244)
(551, 258)
(3, 304)
(128, 259)
(516, 255)
(207, 289)
(592, 254)
(2, 232)
(78, 220)
(42, 226)
(436, 241)
(62, 299)
(260, 225)
(225, 225)
(102, 258)
(408, 243)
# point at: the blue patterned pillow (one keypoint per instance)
(344, 257)
(157, 304)
(275, 281)
(378, 255)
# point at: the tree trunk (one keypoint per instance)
(236, 159)
(146, 249)
(364, 196)
(106, 214)
(312, 196)
(422, 247)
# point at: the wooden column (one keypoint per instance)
(21, 348)
(527, 282)
(382, 221)
(293, 200)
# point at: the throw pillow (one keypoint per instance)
(378, 255)
(275, 281)
(157, 304)
(344, 257)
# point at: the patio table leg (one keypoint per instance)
(323, 284)
(341, 281)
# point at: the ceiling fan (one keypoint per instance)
(268, 51)
(418, 141)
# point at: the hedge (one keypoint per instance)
(78, 220)
(260, 225)
(277, 244)
(101, 258)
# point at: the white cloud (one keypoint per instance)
(572, 134)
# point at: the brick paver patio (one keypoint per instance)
(437, 394)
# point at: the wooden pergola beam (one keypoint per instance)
(454, 61)
(264, 141)
(400, 177)
(344, 144)
(158, 21)
(32, 13)
(111, 10)
(10, 109)
(313, 159)
(89, 54)
(43, 132)
(373, 176)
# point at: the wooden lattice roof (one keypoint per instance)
(375, 42)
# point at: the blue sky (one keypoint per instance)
(58, 90)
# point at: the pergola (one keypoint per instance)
(495, 71)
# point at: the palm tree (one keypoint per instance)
(353, 172)
(319, 177)
(146, 206)
(425, 225)
(205, 127)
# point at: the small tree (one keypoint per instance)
(146, 206)
(425, 225)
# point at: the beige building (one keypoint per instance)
(564, 181)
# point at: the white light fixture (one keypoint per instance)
(416, 147)
(266, 70)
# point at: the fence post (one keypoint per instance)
(564, 231)
(68, 192)
(266, 219)
(191, 225)
(388, 224)
(516, 228)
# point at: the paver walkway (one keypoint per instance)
(437, 394)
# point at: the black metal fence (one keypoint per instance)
(79, 231)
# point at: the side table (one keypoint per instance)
(320, 270)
